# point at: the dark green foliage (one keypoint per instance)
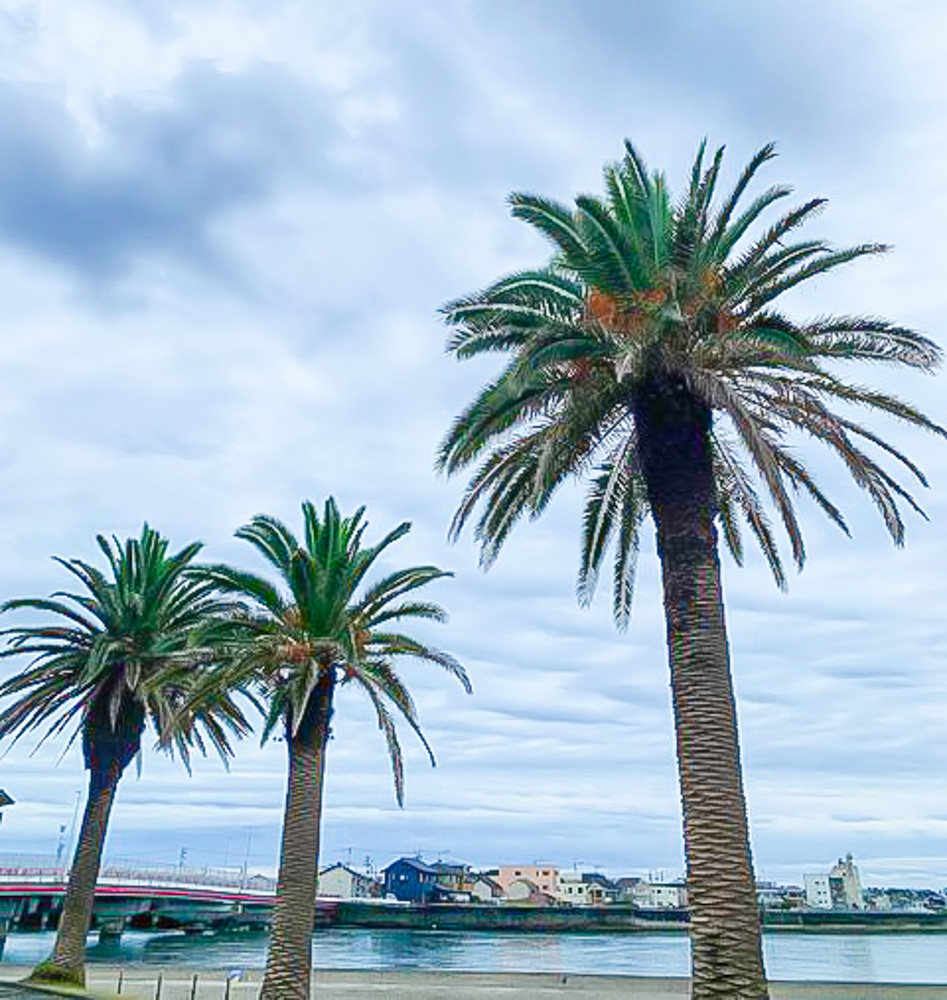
(642, 292)
(119, 656)
(322, 616)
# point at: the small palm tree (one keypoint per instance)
(105, 668)
(299, 643)
(649, 357)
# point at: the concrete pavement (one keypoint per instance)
(139, 982)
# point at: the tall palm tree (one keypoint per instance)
(104, 668)
(649, 357)
(300, 640)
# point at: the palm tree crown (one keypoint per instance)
(107, 668)
(648, 305)
(319, 623)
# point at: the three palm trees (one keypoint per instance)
(648, 355)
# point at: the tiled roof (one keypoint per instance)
(351, 871)
(594, 878)
(414, 863)
(443, 868)
(492, 883)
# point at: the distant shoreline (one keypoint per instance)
(612, 918)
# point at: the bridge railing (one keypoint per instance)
(44, 869)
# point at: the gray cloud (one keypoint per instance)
(155, 177)
(341, 215)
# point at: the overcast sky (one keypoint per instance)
(225, 232)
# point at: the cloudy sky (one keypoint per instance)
(225, 231)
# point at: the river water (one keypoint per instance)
(879, 958)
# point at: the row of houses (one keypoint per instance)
(412, 880)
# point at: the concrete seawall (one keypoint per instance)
(614, 917)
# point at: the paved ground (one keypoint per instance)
(141, 983)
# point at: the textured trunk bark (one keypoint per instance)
(289, 960)
(726, 939)
(67, 962)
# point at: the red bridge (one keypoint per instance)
(31, 896)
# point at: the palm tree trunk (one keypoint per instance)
(66, 965)
(726, 938)
(289, 961)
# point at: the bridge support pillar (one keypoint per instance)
(8, 911)
(111, 930)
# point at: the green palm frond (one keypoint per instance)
(644, 294)
(114, 665)
(320, 621)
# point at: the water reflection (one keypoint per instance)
(893, 958)
(234, 950)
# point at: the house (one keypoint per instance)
(411, 881)
(341, 882)
(571, 890)
(585, 889)
(484, 888)
(525, 891)
(544, 877)
(626, 886)
(659, 895)
(772, 896)
(454, 881)
(600, 889)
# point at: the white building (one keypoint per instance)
(341, 882)
(840, 889)
(585, 889)
(818, 892)
(572, 890)
(659, 896)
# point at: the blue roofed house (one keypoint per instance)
(411, 881)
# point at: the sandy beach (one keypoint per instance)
(141, 983)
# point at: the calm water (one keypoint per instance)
(895, 958)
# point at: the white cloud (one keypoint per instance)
(266, 331)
